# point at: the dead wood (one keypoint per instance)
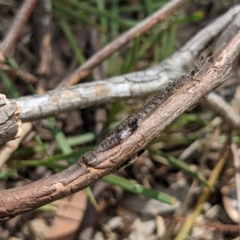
(211, 75)
(10, 125)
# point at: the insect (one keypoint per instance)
(132, 123)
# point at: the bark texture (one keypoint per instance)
(10, 125)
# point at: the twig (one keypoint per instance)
(10, 41)
(20, 73)
(121, 41)
(236, 160)
(213, 101)
(11, 126)
(218, 226)
(220, 107)
(7, 48)
(7, 150)
(212, 74)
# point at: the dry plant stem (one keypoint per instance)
(10, 41)
(120, 87)
(26, 198)
(227, 34)
(213, 177)
(236, 160)
(218, 226)
(181, 212)
(211, 75)
(42, 21)
(219, 106)
(19, 72)
(45, 47)
(121, 41)
(213, 101)
(7, 150)
(10, 125)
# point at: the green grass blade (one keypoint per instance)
(59, 136)
(81, 139)
(72, 40)
(48, 161)
(7, 173)
(13, 92)
(114, 25)
(103, 20)
(139, 189)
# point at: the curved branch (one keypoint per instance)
(211, 75)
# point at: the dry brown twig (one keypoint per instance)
(98, 58)
(212, 74)
(236, 160)
(213, 101)
(9, 120)
(65, 183)
(219, 226)
(7, 47)
(10, 42)
(11, 146)
(220, 107)
(20, 73)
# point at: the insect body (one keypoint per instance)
(131, 124)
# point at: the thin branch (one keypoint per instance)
(157, 17)
(11, 126)
(220, 107)
(11, 146)
(236, 161)
(7, 47)
(19, 72)
(211, 75)
(213, 101)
